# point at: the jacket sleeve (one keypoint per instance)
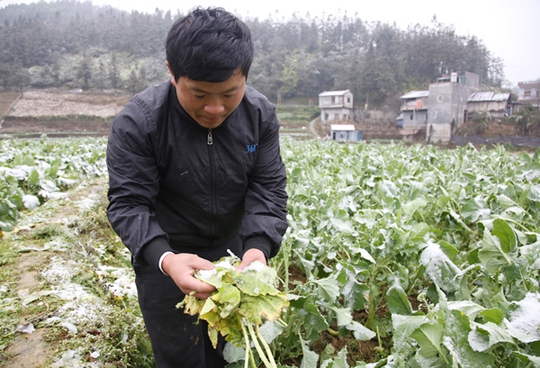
(133, 185)
(265, 221)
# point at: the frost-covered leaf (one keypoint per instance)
(457, 327)
(339, 361)
(485, 336)
(439, 267)
(476, 209)
(270, 330)
(429, 337)
(360, 332)
(403, 327)
(309, 357)
(233, 353)
(524, 321)
(469, 308)
(411, 207)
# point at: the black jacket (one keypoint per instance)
(169, 189)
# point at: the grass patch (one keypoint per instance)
(296, 115)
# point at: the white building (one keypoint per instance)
(345, 133)
(336, 106)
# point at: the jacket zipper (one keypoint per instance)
(213, 194)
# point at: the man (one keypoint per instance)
(194, 171)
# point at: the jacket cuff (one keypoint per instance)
(260, 242)
(152, 252)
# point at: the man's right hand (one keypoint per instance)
(182, 267)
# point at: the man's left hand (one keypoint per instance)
(251, 256)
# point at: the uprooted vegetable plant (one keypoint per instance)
(239, 306)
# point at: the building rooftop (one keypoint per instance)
(415, 94)
(333, 93)
(529, 84)
(342, 127)
(488, 96)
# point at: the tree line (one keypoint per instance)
(73, 44)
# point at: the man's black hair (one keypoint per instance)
(209, 45)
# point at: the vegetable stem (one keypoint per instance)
(246, 340)
(269, 354)
(255, 340)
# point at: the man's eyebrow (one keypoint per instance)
(199, 90)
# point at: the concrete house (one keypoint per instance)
(447, 102)
(497, 105)
(336, 106)
(529, 93)
(441, 109)
(414, 110)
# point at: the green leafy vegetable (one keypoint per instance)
(241, 303)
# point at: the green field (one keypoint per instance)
(396, 256)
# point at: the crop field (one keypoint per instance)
(396, 256)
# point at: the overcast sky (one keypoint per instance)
(509, 29)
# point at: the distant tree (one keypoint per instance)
(84, 72)
(114, 73)
(299, 56)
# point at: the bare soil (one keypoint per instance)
(42, 111)
(34, 349)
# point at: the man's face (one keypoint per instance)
(210, 103)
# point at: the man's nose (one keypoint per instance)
(214, 108)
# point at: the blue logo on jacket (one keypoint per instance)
(251, 148)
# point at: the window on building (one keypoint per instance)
(434, 114)
(411, 116)
(527, 93)
(440, 98)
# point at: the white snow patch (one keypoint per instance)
(30, 202)
(124, 283)
(256, 266)
(87, 203)
(478, 341)
(206, 274)
(70, 327)
(28, 328)
(82, 308)
(74, 359)
(525, 320)
(439, 267)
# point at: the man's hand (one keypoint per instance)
(251, 256)
(181, 268)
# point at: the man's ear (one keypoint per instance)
(173, 79)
